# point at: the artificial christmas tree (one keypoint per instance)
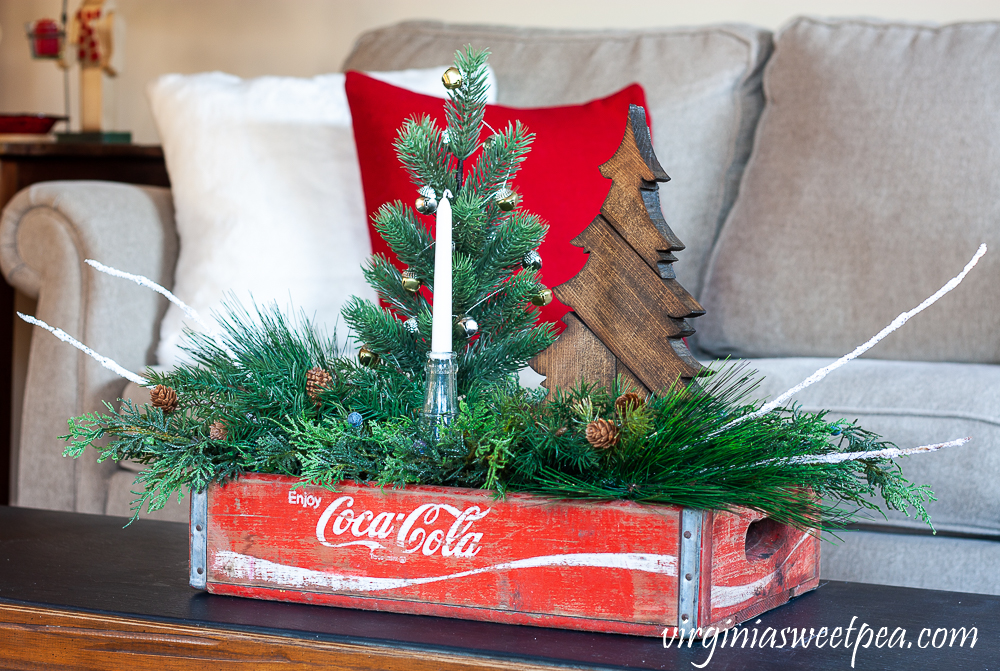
(493, 330)
(629, 314)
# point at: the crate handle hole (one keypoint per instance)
(764, 538)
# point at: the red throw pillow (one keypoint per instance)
(559, 181)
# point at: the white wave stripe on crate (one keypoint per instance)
(244, 567)
(724, 596)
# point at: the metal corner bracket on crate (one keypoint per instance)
(198, 544)
(524, 560)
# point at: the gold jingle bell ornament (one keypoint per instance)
(506, 199)
(427, 202)
(426, 205)
(542, 298)
(367, 357)
(410, 281)
(452, 78)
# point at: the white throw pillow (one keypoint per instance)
(267, 192)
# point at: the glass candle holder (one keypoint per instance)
(440, 400)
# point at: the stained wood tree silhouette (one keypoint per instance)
(629, 313)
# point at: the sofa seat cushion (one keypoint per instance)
(953, 564)
(915, 404)
(702, 88)
(874, 177)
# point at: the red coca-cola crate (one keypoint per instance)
(602, 566)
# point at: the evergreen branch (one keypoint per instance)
(407, 236)
(466, 105)
(509, 241)
(383, 333)
(471, 228)
(704, 446)
(424, 155)
(501, 159)
(388, 283)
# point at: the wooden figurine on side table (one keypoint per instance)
(91, 31)
(629, 312)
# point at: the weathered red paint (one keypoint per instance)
(602, 566)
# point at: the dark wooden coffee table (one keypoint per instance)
(78, 591)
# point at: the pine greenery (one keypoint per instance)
(673, 449)
(678, 448)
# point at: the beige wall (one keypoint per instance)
(306, 37)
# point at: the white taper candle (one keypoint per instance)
(441, 330)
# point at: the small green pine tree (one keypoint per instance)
(490, 283)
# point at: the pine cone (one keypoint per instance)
(628, 402)
(602, 434)
(317, 380)
(163, 397)
(218, 431)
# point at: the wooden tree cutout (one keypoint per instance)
(629, 313)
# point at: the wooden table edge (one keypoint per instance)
(36, 636)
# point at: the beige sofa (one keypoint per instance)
(809, 227)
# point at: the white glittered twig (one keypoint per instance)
(150, 284)
(888, 453)
(896, 323)
(103, 360)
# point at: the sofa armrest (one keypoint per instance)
(46, 233)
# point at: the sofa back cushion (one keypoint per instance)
(702, 88)
(874, 177)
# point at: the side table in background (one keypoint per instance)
(24, 164)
